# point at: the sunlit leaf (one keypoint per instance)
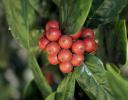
(20, 16)
(51, 96)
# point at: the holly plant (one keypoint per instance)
(76, 49)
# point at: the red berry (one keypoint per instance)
(90, 45)
(65, 42)
(78, 47)
(76, 35)
(53, 48)
(43, 42)
(53, 59)
(77, 59)
(52, 24)
(53, 34)
(87, 33)
(64, 55)
(66, 67)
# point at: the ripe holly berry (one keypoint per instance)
(90, 45)
(77, 59)
(52, 48)
(87, 33)
(52, 24)
(66, 67)
(65, 42)
(53, 59)
(64, 55)
(43, 42)
(78, 47)
(53, 34)
(76, 35)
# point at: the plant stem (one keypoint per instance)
(39, 77)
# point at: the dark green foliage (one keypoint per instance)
(107, 11)
(32, 92)
(73, 14)
(112, 42)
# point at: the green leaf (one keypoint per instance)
(91, 78)
(117, 84)
(108, 11)
(19, 18)
(95, 5)
(73, 14)
(114, 48)
(32, 92)
(34, 4)
(121, 41)
(65, 90)
(51, 96)
(101, 51)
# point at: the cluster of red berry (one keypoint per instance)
(65, 50)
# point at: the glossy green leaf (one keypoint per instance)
(65, 90)
(73, 14)
(91, 78)
(32, 92)
(114, 48)
(108, 11)
(51, 96)
(117, 83)
(20, 16)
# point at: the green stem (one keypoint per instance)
(39, 77)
